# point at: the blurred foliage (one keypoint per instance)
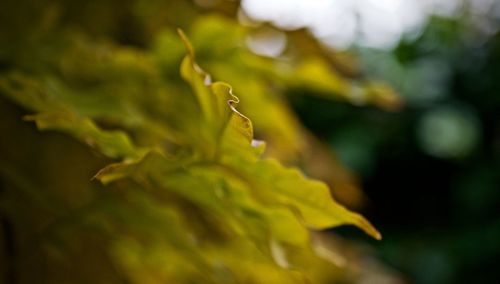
(185, 195)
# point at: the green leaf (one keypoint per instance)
(266, 177)
(188, 196)
(114, 144)
(310, 199)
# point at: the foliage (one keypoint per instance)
(185, 193)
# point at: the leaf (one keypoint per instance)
(227, 128)
(311, 199)
(188, 197)
(285, 186)
(265, 81)
(114, 144)
(289, 187)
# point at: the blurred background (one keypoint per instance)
(431, 170)
(416, 127)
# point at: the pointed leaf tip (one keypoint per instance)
(186, 42)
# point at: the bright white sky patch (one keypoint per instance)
(267, 42)
(371, 23)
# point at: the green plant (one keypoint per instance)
(184, 194)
